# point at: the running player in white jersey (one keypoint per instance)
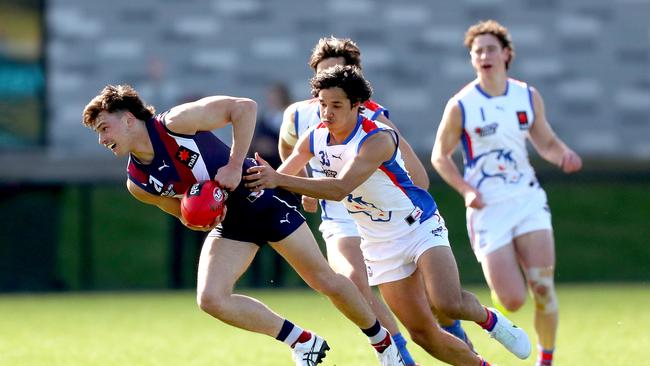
(338, 229)
(508, 219)
(404, 239)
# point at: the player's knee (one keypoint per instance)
(359, 278)
(450, 307)
(211, 303)
(325, 282)
(542, 287)
(512, 302)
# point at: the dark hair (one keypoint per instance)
(331, 47)
(116, 98)
(349, 78)
(494, 28)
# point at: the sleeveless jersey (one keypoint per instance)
(180, 161)
(306, 114)
(387, 205)
(494, 133)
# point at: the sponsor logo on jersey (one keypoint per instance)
(337, 156)
(169, 192)
(187, 157)
(330, 173)
(487, 130)
(414, 216)
(522, 117)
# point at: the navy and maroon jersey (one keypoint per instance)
(182, 160)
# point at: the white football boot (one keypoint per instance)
(390, 356)
(310, 353)
(513, 338)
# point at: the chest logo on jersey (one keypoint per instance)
(186, 156)
(330, 173)
(522, 118)
(487, 130)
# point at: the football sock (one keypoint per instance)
(545, 357)
(483, 362)
(490, 322)
(292, 334)
(379, 337)
(456, 330)
(400, 342)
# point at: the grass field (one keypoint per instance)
(601, 325)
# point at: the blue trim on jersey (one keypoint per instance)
(532, 106)
(386, 112)
(323, 207)
(311, 141)
(351, 135)
(296, 117)
(482, 114)
(480, 90)
(418, 196)
(462, 114)
(463, 138)
(376, 114)
(373, 132)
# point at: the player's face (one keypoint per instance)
(329, 62)
(488, 56)
(110, 128)
(335, 108)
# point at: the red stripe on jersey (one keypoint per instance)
(136, 173)
(321, 125)
(172, 146)
(368, 125)
(470, 152)
(372, 105)
(392, 178)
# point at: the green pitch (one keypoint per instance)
(600, 325)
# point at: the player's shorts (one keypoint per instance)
(260, 218)
(336, 221)
(496, 225)
(394, 260)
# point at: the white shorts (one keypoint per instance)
(496, 225)
(336, 221)
(393, 260)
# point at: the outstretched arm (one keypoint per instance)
(546, 142)
(413, 164)
(447, 138)
(376, 150)
(215, 112)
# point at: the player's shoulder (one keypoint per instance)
(305, 104)
(466, 90)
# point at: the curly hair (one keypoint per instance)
(331, 47)
(494, 28)
(349, 78)
(117, 98)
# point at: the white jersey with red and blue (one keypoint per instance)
(387, 205)
(494, 133)
(306, 114)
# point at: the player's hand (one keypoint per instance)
(309, 204)
(228, 176)
(216, 222)
(473, 199)
(261, 176)
(571, 162)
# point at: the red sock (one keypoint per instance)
(490, 322)
(545, 357)
(302, 338)
(381, 346)
(483, 362)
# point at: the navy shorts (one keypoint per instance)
(259, 218)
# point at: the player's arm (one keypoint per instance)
(289, 136)
(170, 205)
(376, 150)
(413, 164)
(546, 142)
(447, 138)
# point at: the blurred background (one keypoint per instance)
(68, 223)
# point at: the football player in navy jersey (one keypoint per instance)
(168, 152)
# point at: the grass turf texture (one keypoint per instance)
(600, 325)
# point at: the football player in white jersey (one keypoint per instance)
(508, 219)
(404, 239)
(338, 229)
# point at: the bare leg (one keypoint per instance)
(346, 258)
(303, 254)
(221, 264)
(440, 274)
(537, 250)
(408, 301)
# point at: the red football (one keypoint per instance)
(202, 203)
